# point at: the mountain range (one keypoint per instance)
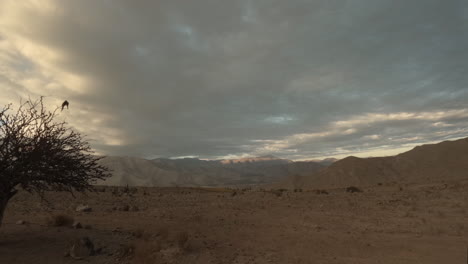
(444, 161)
(195, 172)
(440, 162)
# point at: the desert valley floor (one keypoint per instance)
(388, 223)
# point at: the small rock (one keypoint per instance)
(20, 222)
(83, 208)
(77, 225)
(82, 248)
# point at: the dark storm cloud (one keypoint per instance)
(231, 78)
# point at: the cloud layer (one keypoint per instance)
(210, 78)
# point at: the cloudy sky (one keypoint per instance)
(221, 78)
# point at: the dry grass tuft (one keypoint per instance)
(162, 233)
(215, 189)
(125, 251)
(60, 220)
(138, 233)
(353, 189)
(181, 239)
(441, 214)
(321, 192)
(147, 252)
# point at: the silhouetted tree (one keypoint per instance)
(39, 154)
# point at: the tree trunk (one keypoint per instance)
(4, 199)
(3, 204)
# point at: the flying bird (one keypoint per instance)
(65, 104)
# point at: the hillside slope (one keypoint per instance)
(427, 163)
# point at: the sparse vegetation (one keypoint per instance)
(126, 251)
(138, 233)
(321, 192)
(278, 192)
(440, 214)
(353, 189)
(39, 154)
(147, 252)
(162, 233)
(60, 220)
(182, 240)
(178, 234)
(127, 190)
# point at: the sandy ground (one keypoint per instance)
(383, 224)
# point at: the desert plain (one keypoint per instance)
(384, 223)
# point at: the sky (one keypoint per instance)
(226, 79)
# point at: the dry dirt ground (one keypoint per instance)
(383, 224)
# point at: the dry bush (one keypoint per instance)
(215, 189)
(279, 192)
(162, 233)
(60, 220)
(441, 214)
(125, 251)
(99, 188)
(181, 239)
(408, 214)
(321, 192)
(436, 230)
(353, 189)
(138, 233)
(460, 229)
(147, 252)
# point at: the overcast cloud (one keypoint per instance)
(218, 78)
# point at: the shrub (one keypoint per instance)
(138, 233)
(61, 220)
(125, 251)
(162, 233)
(353, 189)
(321, 192)
(147, 252)
(182, 239)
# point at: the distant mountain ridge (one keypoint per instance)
(444, 161)
(195, 172)
(326, 162)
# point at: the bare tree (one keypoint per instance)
(39, 154)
